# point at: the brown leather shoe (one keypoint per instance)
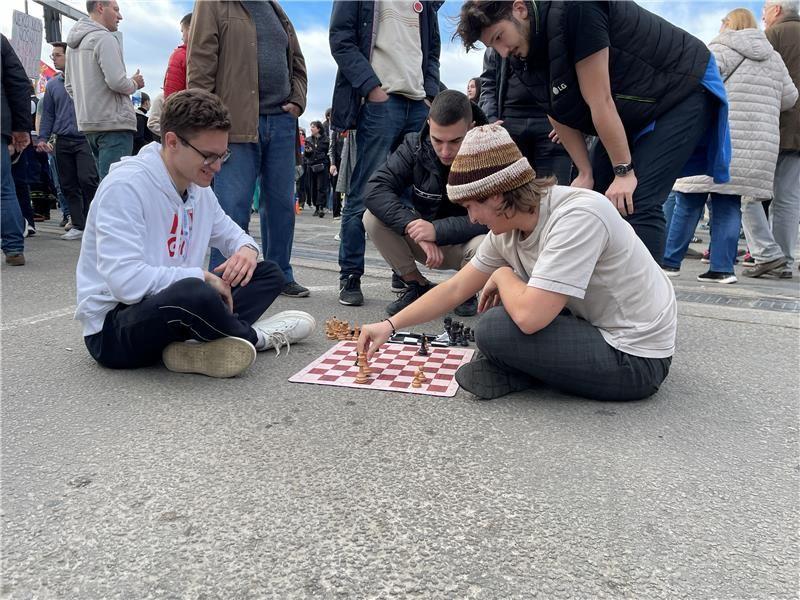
(764, 268)
(15, 260)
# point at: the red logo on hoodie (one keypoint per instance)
(185, 231)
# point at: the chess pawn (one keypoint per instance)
(415, 383)
(421, 375)
(362, 376)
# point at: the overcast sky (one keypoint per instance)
(150, 32)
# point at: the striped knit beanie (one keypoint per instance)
(487, 163)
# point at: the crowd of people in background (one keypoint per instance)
(593, 95)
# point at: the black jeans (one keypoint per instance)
(532, 137)
(77, 174)
(135, 335)
(569, 355)
(658, 159)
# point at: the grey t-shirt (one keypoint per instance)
(581, 247)
(273, 67)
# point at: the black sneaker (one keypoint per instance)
(294, 290)
(468, 308)
(671, 271)
(398, 284)
(487, 381)
(413, 291)
(717, 277)
(350, 291)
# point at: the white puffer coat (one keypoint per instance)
(759, 88)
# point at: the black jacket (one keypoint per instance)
(351, 40)
(335, 147)
(501, 74)
(15, 93)
(415, 165)
(653, 65)
(316, 151)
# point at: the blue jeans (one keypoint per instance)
(12, 222)
(271, 160)
(109, 147)
(669, 208)
(381, 127)
(62, 202)
(726, 219)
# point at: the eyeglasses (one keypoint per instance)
(208, 159)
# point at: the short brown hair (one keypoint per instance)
(477, 15)
(186, 20)
(62, 45)
(192, 111)
(450, 107)
(91, 5)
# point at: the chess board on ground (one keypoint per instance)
(392, 369)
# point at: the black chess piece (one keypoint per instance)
(423, 347)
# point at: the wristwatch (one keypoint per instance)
(623, 169)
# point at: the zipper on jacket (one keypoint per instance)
(635, 98)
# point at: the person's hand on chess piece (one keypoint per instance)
(373, 336)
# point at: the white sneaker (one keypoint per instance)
(225, 357)
(68, 226)
(72, 234)
(29, 230)
(284, 329)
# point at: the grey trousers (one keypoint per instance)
(777, 237)
(569, 355)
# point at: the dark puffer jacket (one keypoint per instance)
(653, 65)
(415, 167)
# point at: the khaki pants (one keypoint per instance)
(402, 253)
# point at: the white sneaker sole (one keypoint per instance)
(225, 357)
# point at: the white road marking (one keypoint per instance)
(40, 318)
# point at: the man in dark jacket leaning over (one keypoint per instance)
(432, 230)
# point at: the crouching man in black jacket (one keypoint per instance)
(428, 228)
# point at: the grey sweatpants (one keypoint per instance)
(569, 355)
(777, 237)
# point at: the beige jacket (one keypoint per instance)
(222, 59)
(759, 88)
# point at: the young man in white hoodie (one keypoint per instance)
(143, 294)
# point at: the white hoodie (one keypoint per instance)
(141, 237)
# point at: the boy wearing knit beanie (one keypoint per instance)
(571, 297)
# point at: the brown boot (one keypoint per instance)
(15, 260)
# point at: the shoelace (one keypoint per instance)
(278, 339)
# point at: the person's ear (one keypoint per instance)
(520, 10)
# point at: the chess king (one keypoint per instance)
(569, 295)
